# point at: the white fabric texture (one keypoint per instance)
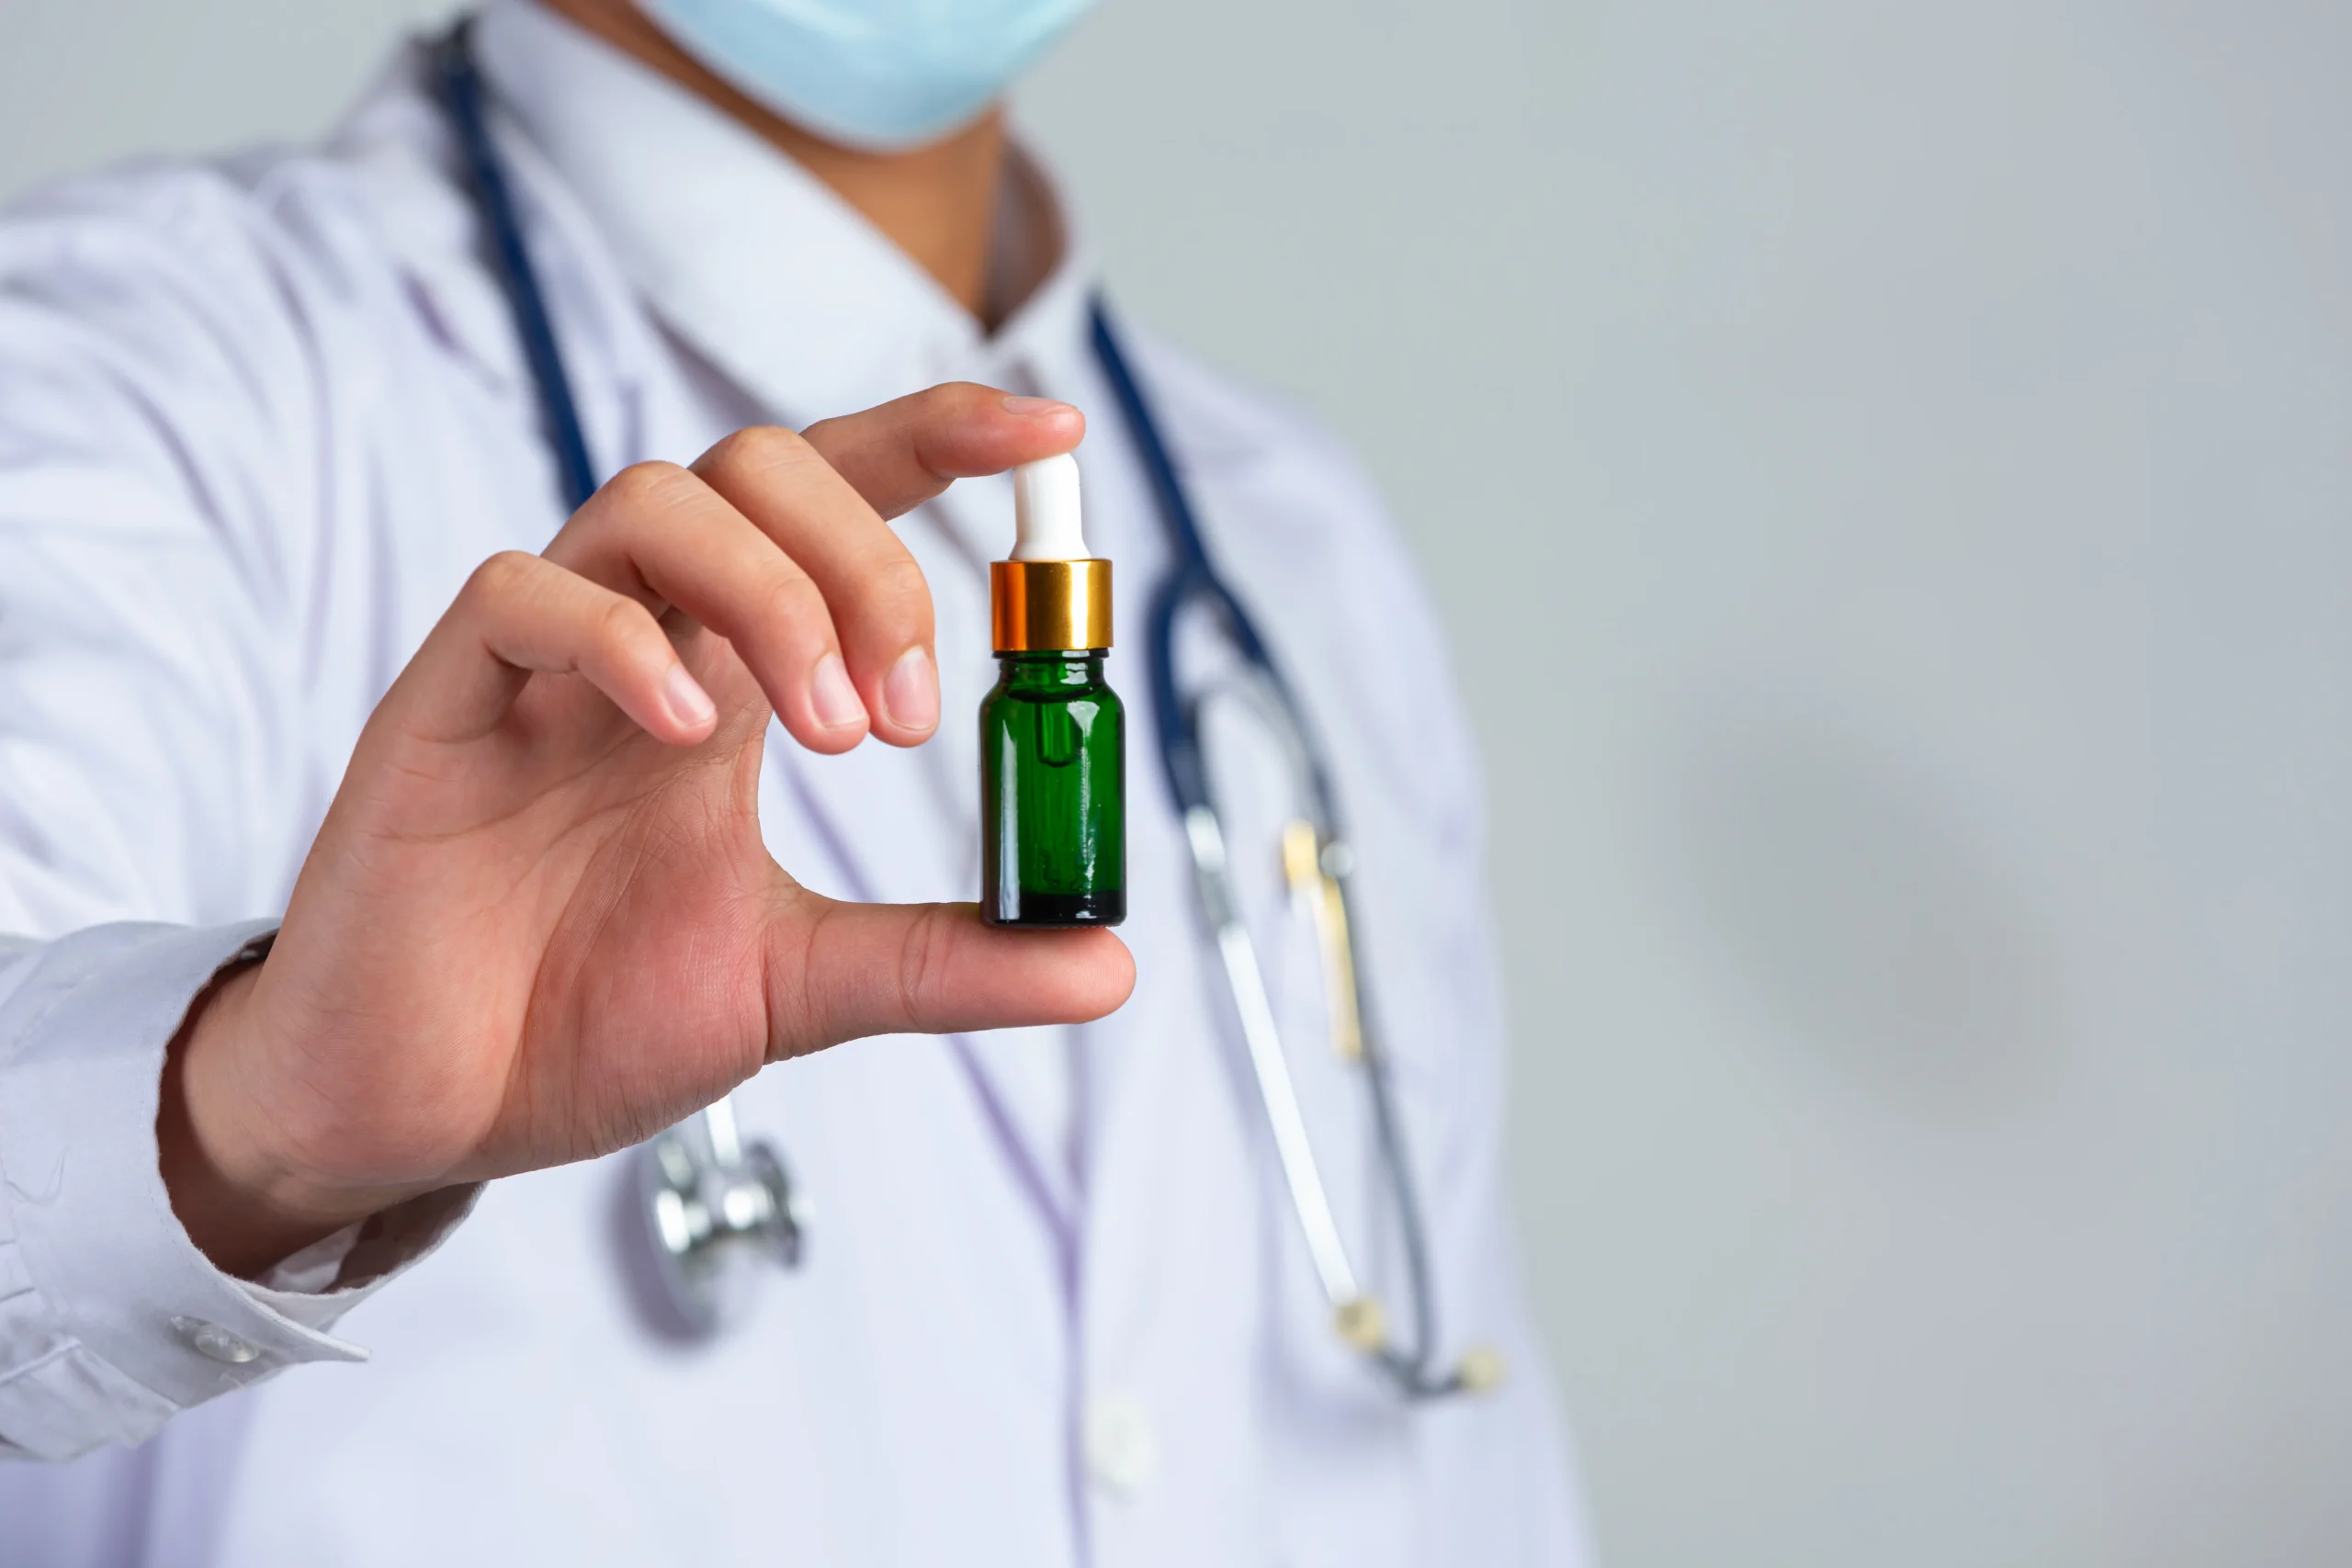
(86, 1019)
(258, 420)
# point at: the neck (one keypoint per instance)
(937, 203)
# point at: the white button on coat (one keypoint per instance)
(211, 1339)
(1122, 1449)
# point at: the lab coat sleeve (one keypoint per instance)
(110, 1320)
(155, 448)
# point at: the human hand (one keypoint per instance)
(539, 923)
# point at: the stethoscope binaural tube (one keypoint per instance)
(1319, 865)
(710, 1205)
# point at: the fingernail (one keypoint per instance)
(832, 696)
(688, 703)
(1034, 408)
(912, 692)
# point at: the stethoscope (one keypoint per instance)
(715, 1206)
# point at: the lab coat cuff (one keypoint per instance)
(110, 1318)
(317, 1285)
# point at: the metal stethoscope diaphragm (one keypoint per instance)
(718, 1213)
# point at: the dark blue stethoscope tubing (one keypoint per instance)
(461, 94)
(1191, 578)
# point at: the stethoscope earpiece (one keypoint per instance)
(1480, 1370)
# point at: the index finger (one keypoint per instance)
(902, 453)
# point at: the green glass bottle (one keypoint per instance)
(1053, 793)
(1053, 734)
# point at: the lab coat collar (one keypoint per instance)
(753, 260)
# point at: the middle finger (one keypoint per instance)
(881, 605)
(658, 533)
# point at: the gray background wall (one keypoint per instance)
(1885, 469)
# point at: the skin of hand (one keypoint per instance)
(539, 923)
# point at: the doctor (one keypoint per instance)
(392, 851)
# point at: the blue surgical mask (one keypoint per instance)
(884, 74)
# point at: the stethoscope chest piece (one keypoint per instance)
(718, 1213)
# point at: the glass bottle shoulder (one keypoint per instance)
(1052, 678)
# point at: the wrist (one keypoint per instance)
(242, 1202)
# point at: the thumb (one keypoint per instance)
(840, 971)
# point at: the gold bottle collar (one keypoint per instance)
(1050, 607)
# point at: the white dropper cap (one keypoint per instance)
(1046, 522)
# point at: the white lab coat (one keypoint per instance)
(257, 421)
